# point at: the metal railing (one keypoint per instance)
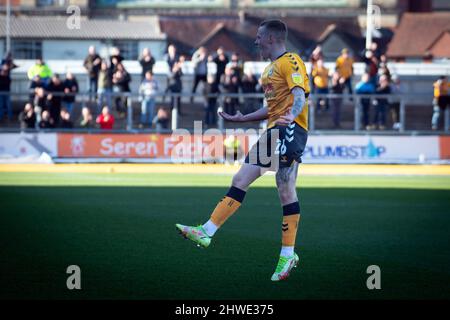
(133, 98)
(401, 99)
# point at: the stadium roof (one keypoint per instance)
(419, 33)
(56, 28)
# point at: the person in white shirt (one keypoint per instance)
(147, 91)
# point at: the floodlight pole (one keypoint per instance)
(369, 22)
(8, 28)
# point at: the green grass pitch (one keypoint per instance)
(119, 228)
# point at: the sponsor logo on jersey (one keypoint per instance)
(269, 91)
(297, 78)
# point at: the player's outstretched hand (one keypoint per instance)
(238, 117)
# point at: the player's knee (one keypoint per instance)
(287, 195)
(239, 182)
(288, 198)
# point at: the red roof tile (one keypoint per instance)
(441, 47)
(417, 32)
(189, 32)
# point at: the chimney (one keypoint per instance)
(242, 16)
(420, 6)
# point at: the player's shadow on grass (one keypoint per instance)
(124, 240)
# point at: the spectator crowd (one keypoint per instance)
(376, 80)
(52, 98)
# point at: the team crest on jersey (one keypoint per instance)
(268, 72)
(297, 78)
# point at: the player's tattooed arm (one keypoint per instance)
(299, 101)
(296, 109)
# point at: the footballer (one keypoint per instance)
(286, 88)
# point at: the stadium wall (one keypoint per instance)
(166, 148)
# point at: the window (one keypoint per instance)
(26, 49)
(128, 49)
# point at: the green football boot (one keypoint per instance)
(196, 234)
(284, 267)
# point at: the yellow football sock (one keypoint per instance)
(227, 206)
(291, 218)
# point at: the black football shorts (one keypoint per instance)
(278, 147)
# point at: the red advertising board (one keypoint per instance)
(149, 146)
(444, 146)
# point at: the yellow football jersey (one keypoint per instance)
(278, 79)
(320, 77)
(344, 67)
(441, 88)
